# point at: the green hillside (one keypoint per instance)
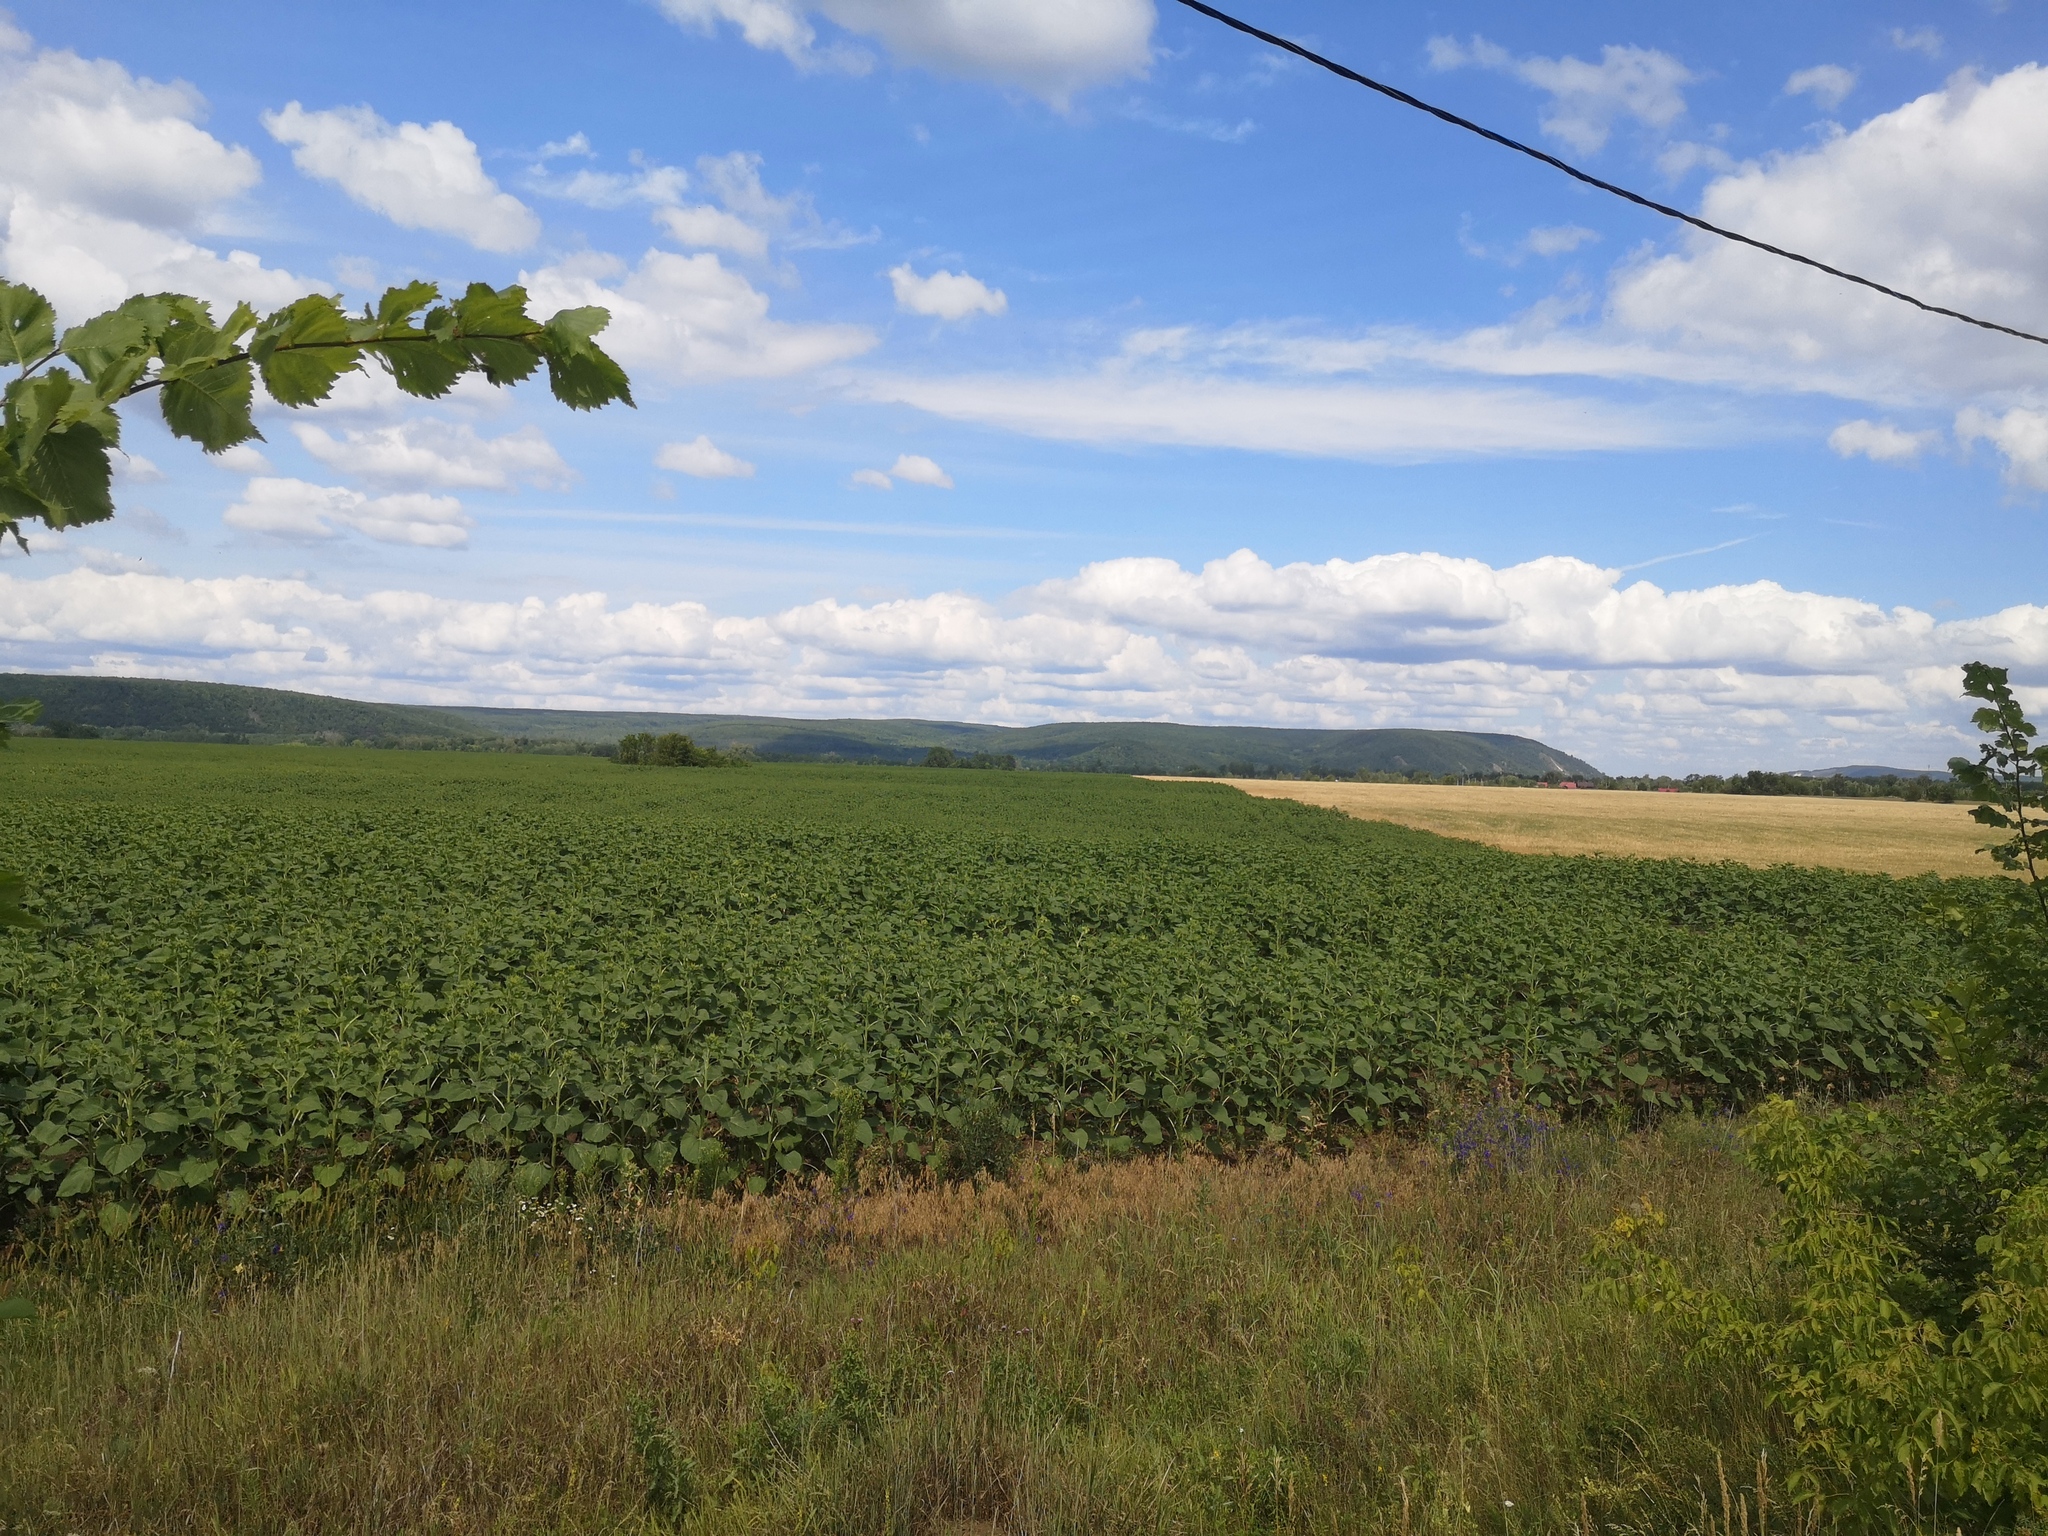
(1103, 747)
(153, 706)
(190, 711)
(1115, 746)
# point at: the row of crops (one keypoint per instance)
(275, 972)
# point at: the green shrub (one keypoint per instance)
(854, 1406)
(984, 1143)
(674, 750)
(673, 1490)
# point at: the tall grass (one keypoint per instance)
(1399, 1340)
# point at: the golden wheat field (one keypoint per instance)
(1891, 837)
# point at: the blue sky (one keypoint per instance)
(1024, 361)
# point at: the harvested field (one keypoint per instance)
(1886, 837)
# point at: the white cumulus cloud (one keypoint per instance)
(1051, 48)
(1921, 40)
(700, 225)
(426, 452)
(702, 459)
(1621, 671)
(690, 319)
(2019, 434)
(418, 175)
(945, 295)
(744, 216)
(109, 185)
(1559, 239)
(1586, 99)
(243, 459)
(301, 511)
(647, 182)
(1940, 197)
(919, 470)
(1880, 442)
(1828, 84)
(873, 479)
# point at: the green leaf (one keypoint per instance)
(400, 304)
(77, 1181)
(116, 1219)
(35, 408)
(496, 331)
(73, 474)
(697, 1151)
(423, 367)
(581, 374)
(211, 406)
(16, 502)
(530, 1179)
(113, 349)
(17, 1309)
(304, 377)
(484, 310)
(190, 340)
(13, 890)
(28, 325)
(117, 1160)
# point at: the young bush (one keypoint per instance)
(673, 1489)
(984, 1143)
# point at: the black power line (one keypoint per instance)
(1406, 100)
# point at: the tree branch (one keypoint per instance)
(350, 346)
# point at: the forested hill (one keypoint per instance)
(158, 708)
(151, 706)
(1107, 747)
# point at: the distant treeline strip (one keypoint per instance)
(675, 749)
(1758, 781)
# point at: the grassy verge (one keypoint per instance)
(1396, 1340)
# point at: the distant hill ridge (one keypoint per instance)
(1872, 771)
(162, 708)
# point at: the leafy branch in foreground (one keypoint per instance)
(60, 426)
(2009, 776)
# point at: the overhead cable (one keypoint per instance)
(1396, 94)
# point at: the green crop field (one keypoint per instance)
(276, 975)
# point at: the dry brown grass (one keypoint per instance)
(1162, 1347)
(1884, 837)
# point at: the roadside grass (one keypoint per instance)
(1880, 837)
(1395, 1340)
